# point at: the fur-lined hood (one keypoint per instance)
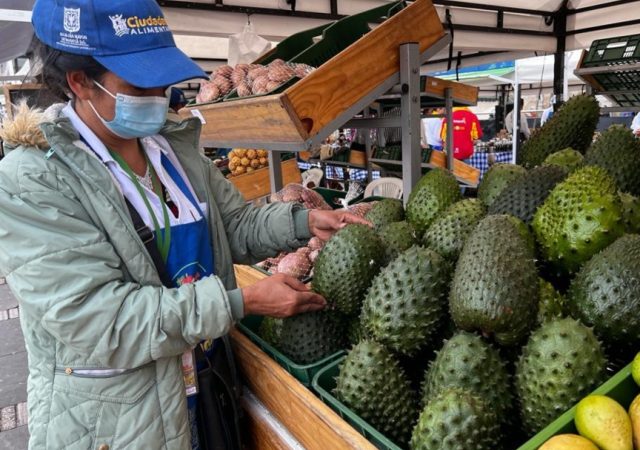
(24, 128)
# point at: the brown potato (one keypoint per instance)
(251, 154)
(245, 161)
(255, 163)
(263, 161)
(240, 170)
(241, 152)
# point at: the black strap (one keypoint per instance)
(149, 240)
(451, 31)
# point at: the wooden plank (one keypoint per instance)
(462, 171)
(347, 77)
(247, 275)
(261, 430)
(244, 123)
(462, 93)
(309, 420)
(256, 184)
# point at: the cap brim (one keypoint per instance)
(159, 67)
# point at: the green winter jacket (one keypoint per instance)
(90, 297)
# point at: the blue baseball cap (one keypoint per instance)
(130, 38)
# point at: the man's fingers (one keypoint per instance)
(348, 218)
(294, 283)
(310, 307)
(312, 298)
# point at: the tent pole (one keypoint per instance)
(515, 136)
(560, 30)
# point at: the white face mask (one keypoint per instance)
(135, 117)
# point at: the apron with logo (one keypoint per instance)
(187, 255)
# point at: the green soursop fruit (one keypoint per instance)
(457, 420)
(430, 197)
(525, 234)
(568, 158)
(562, 362)
(346, 265)
(468, 362)
(495, 285)
(396, 237)
(522, 197)
(384, 212)
(496, 179)
(572, 126)
(448, 233)
(310, 337)
(617, 151)
(580, 217)
(551, 305)
(270, 329)
(406, 303)
(356, 331)
(606, 294)
(630, 212)
(372, 384)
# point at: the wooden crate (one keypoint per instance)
(462, 93)
(310, 421)
(256, 184)
(312, 103)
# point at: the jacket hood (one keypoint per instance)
(24, 128)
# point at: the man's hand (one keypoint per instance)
(323, 224)
(280, 295)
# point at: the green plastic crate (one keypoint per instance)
(620, 387)
(324, 383)
(613, 51)
(293, 45)
(304, 373)
(331, 196)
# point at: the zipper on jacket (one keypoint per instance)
(94, 372)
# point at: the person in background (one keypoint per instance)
(524, 126)
(466, 130)
(635, 124)
(177, 101)
(430, 128)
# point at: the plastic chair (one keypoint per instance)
(384, 187)
(314, 176)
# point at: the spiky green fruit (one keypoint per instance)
(580, 217)
(562, 362)
(431, 196)
(572, 126)
(356, 331)
(551, 305)
(270, 330)
(466, 361)
(372, 384)
(407, 301)
(523, 196)
(346, 265)
(384, 212)
(606, 294)
(448, 233)
(396, 237)
(568, 158)
(617, 151)
(496, 180)
(525, 233)
(309, 337)
(456, 419)
(630, 212)
(495, 286)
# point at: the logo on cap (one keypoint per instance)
(71, 20)
(119, 25)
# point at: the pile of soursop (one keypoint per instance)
(474, 323)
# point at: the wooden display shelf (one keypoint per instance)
(461, 93)
(307, 419)
(256, 184)
(463, 172)
(286, 121)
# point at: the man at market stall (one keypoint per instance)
(118, 238)
(466, 131)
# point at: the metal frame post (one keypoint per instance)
(448, 103)
(515, 136)
(410, 110)
(275, 171)
(560, 31)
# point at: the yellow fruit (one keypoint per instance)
(255, 163)
(634, 415)
(568, 442)
(245, 162)
(232, 166)
(240, 170)
(262, 153)
(235, 161)
(602, 420)
(249, 169)
(240, 152)
(263, 161)
(635, 369)
(231, 154)
(251, 154)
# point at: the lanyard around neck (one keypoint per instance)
(163, 237)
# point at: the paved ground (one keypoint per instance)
(13, 375)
